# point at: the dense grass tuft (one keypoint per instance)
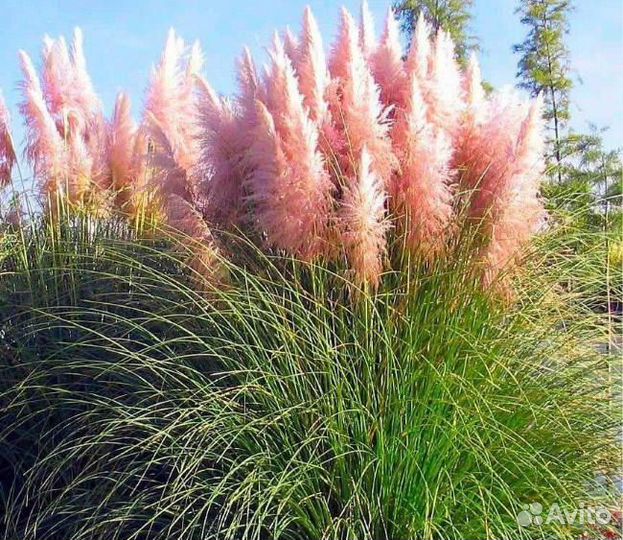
(290, 404)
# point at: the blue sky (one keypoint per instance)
(123, 39)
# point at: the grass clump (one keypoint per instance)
(289, 404)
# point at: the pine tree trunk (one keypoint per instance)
(556, 136)
(557, 154)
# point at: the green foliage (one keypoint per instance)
(544, 64)
(591, 187)
(590, 161)
(593, 229)
(453, 16)
(585, 177)
(288, 405)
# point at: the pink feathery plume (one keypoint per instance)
(291, 45)
(521, 211)
(79, 165)
(418, 59)
(474, 116)
(530, 143)
(273, 78)
(367, 39)
(195, 62)
(170, 120)
(121, 146)
(188, 109)
(44, 145)
(293, 205)
(163, 92)
(421, 194)
(74, 106)
(312, 69)
(222, 151)
(184, 217)
(358, 112)
(48, 42)
(164, 103)
(444, 92)
(488, 158)
(169, 177)
(7, 150)
(57, 81)
(204, 260)
(249, 88)
(387, 65)
(85, 98)
(140, 192)
(363, 224)
(346, 44)
(96, 139)
(500, 179)
(314, 84)
(268, 160)
(87, 105)
(66, 83)
(192, 70)
(472, 87)
(476, 109)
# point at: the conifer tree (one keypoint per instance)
(453, 16)
(544, 66)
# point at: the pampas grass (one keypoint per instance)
(316, 309)
(281, 159)
(7, 149)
